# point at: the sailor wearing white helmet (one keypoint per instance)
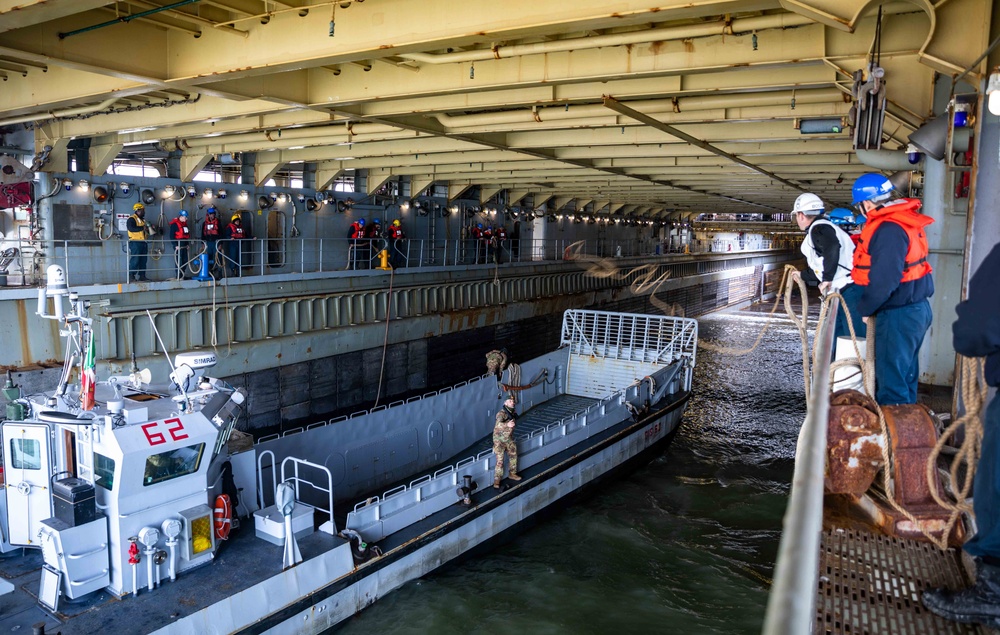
(829, 253)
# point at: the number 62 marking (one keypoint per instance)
(174, 427)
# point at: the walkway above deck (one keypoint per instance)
(870, 583)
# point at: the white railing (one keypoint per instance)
(630, 336)
(91, 262)
(791, 606)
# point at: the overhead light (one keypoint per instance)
(222, 194)
(84, 185)
(244, 194)
(821, 126)
(67, 184)
(993, 91)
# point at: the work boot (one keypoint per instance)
(496, 483)
(979, 604)
(514, 477)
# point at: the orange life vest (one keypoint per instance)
(906, 216)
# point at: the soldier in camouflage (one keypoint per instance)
(496, 361)
(503, 441)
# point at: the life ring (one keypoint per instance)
(223, 517)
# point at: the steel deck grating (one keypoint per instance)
(871, 584)
(559, 407)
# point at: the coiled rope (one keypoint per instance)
(974, 392)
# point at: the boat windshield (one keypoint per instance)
(172, 464)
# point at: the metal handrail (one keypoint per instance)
(106, 262)
(791, 607)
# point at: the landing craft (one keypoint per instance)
(152, 498)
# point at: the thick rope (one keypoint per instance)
(974, 391)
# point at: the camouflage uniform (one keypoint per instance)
(503, 441)
(496, 361)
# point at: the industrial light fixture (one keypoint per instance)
(207, 193)
(404, 206)
(829, 125)
(191, 191)
(168, 191)
(301, 197)
(222, 194)
(84, 185)
(67, 185)
(282, 197)
(993, 91)
(124, 187)
(244, 194)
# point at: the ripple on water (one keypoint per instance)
(685, 544)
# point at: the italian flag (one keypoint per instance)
(89, 378)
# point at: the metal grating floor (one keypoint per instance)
(871, 584)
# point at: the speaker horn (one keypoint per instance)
(312, 205)
(932, 137)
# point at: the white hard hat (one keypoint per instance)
(808, 204)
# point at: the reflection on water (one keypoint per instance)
(685, 544)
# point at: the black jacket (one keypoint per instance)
(977, 330)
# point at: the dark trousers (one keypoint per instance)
(397, 254)
(986, 502)
(180, 256)
(234, 256)
(851, 294)
(899, 332)
(137, 250)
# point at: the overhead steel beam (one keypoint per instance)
(617, 106)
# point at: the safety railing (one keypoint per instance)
(92, 262)
(791, 607)
(605, 334)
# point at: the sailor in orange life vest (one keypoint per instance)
(211, 231)
(890, 263)
(235, 233)
(180, 233)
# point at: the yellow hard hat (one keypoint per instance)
(137, 207)
(396, 222)
(235, 217)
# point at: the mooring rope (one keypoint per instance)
(974, 392)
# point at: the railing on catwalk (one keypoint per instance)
(791, 606)
(92, 262)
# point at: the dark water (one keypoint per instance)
(685, 544)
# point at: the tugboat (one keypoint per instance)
(123, 500)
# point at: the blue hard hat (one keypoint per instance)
(212, 210)
(376, 221)
(842, 216)
(871, 187)
(183, 213)
(361, 222)
(479, 225)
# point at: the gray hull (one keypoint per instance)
(324, 591)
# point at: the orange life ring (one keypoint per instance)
(223, 517)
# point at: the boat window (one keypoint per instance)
(104, 471)
(172, 464)
(25, 454)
